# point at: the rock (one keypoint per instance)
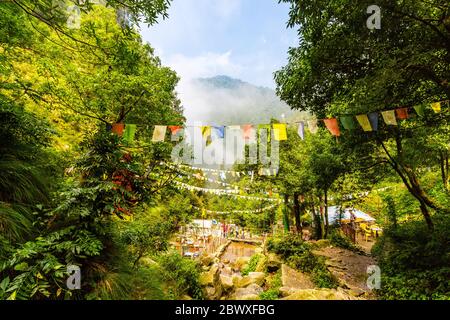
(210, 277)
(236, 279)
(226, 261)
(286, 291)
(356, 292)
(210, 293)
(257, 277)
(206, 259)
(259, 250)
(227, 282)
(322, 243)
(186, 297)
(294, 279)
(273, 262)
(319, 294)
(249, 293)
(240, 262)
(244, 282)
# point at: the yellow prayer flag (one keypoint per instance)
(364, 122)
(436, 107)
(279, 131)
(389, 117)
(159, 133)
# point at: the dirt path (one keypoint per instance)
(349, 267)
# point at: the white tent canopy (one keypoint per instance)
(333, 214)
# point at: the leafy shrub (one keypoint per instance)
(183, 275)
(271, 294)
(414, 261)
(341, 241)
(252, 264)
(298, 254)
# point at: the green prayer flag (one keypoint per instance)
(129, 133)
(348, 122)
(266, 127)
(420, 110)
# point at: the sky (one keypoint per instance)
(244, 39)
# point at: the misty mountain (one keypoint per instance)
(224, 100)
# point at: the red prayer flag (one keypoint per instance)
(332, 126)
(402, 113)
(247, 128)
(174, 129)
(117, 128)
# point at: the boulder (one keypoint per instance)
(240, 262)
(319, 294)
(294, 279)
(323, 243)
(249, 293)
(209, 278)
(273, 262)
(186, 297)
(257, 277)
(286, 291)
(244, 282)
(226, 282)
(206, 260)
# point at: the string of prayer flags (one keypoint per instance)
(348, 123)
(265, 127)
(312, 126)
(436, 107)
(220, 131)
(130, 131)
(364, 122)
(159, 133)
(118, 128)
(389, 117)
(420, 110)
(332, 126)
(301, 130)
(279, 131)
(373, 118)
(402, 113)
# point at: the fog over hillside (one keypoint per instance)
(228, 101)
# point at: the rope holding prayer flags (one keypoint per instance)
(389, 117)
(279, 131)
(159, 134)
(436, 107)
(364, 122)
(301, 130)
(312, 126)
(402, 113)
(332, 126)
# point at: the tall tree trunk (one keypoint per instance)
(317, 223)
(298, 223)
(285, 213)
(322, 218)
(411, 182)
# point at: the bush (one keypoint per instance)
(414, 261)
(183, 275)
(341, 241)
(252, 264)
(298, 254)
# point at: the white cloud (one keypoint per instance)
(205, 65)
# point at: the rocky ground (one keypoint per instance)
(222, 279)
